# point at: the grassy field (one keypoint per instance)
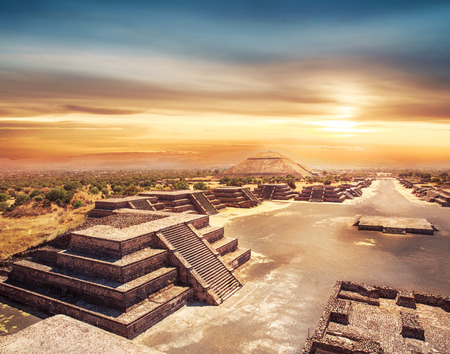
(37, 224)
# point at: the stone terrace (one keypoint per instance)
(278, 191)
(321, 193)
(127, 271)
(370, 319)
(182, 201)
(236, 197)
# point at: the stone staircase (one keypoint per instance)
(200, 200)
(266, 193)
(227, 247)
(184, 201)
(317, 195)
(236, 197)
(127, 271)
(251, 196)
(197, 253)
(279, 191)
(141, 204)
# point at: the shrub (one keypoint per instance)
(35, 193)
(94, 190)
(118, 189)
(181, 185)
(200, 186)
(60, 196)
(105, 192)
(38, 198)
(224, 180)
(131, 190)
(4, 197)
(77, 204)
(4, 206)
(21, 199)
(72, 186)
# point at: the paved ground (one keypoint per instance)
(302, 250)
(299, 251)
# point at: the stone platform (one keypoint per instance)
(177, 201)
(127, 271)
(63, 334)
(236, 197)
(360, 318)
(395, 225)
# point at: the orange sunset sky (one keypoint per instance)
(92, 83)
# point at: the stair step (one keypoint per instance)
(199, 255)
(121, 270)
(98, 290)
(127, 324)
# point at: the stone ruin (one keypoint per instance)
(267, 164)
(276, 191)
(433, 195)
(394, 225)
(360, 318)
(321, 193)
(183, 201)
(128, 270)
(236, 197)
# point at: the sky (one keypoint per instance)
(328, 83)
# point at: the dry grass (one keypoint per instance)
(32, 225)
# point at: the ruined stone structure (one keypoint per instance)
(279, 191)
(433, 195)
(322, 193)
(268, 164)
(443, 199)
(183, 201)
(395, 225)
(126, 271)
(236, 197)
(360, 318)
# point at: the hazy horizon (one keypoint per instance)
(204, 83)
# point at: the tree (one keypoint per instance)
(224, 180)
(291, 184)
(4, 206)
(21, 199)
(131, 190)
(60, 196)
(181, 185)
(35, 193)
(93, 190)
(72, 186)
(118, 189)
(105, 192)
(200, 186)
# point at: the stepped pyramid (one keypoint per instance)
(268, 164)
(126, 271)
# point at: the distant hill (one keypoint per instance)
(267, 164)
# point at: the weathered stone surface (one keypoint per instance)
(62, 334)
(387, 328)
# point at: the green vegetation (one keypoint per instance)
(4, 197)
(77, 204)
(200, 186)
(181, 184)
(59, 196)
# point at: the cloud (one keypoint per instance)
(99, 111)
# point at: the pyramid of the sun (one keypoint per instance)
(268, 164)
